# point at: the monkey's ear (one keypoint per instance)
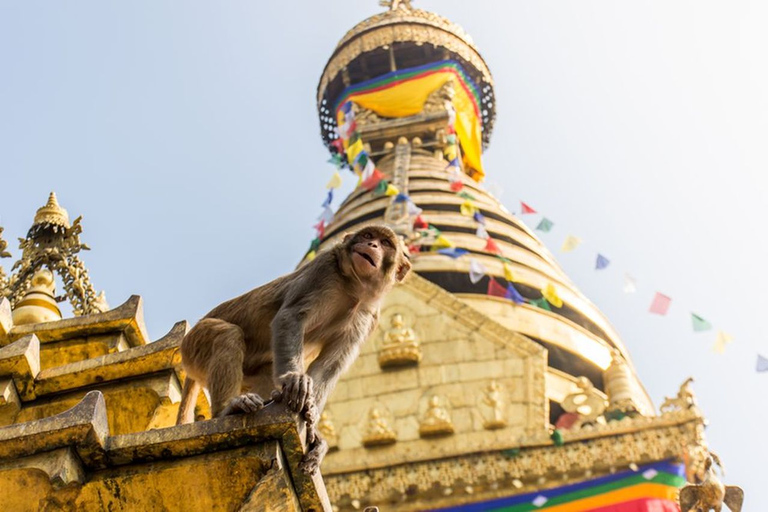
(346, 238)
(403, 269)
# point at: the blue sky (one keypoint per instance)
(187, 136)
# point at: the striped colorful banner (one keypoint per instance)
(652, 488)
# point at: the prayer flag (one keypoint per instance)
(450, 152)
(513, 295)
(451, 139)
(541, 303)
(550, 293)
(456, 186)
(353, 149)
(420, 223)
(722, 339)
(401, 198)
(479, 218)
(762, 363)
(491, 246)
(466, 195)
(699, 324)
(476, 271)
(495, 289)
(381, 187)
(336, 160)
(660, 304)
(328, 199)
(320, 227)
(361, 160)
(414, 249)
(601, 262)
(338, 145)
(311, 255)
(373, 180)
(545, 225)
(630, 286)
(326, 216)
(468, 208)
(347, 107)
(508, 274)
(539, 501)
(413, 210)
(525, 208)
(335, 181)
(481, 232)
(454, 162)
(453, 252)
(391, 190)
(442, 242)
(570, 243)
(315, 245)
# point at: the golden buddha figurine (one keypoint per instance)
(378, 432)
(400, 346)
(493, 399)
(436, 421)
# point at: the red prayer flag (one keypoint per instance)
(491, 246)
(450, 129)
(339, 145)
(420, 223)
(495, 289)
(374, 179)
(414, 249)
(320, 227)
(456, 186)
(660, 304)
(526, 208)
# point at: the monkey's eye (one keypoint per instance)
(367, 235)
(387, 243)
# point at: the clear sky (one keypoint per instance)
(187, 136)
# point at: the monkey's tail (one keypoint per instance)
(188, 401)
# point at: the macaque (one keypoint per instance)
(292, 338)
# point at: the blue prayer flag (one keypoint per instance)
(453, 252)
(328, 199)
(479, 218)
(514, 295)
(762, 363)
(601, 262)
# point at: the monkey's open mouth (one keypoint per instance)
(367, 258)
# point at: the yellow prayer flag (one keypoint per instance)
(508, 274)
(359, 180)
(550, 293)
(335, 181)
(468, 208)
(311, 255)
(723, 339)
(354, 149)
(450, 152)
(571, 242)
(441, 243)
(391, 190)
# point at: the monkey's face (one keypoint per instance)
(376, 253)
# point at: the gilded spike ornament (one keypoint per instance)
(54, 243)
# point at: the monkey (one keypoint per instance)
(292, 338)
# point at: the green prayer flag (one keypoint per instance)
(465, 195)
(315, 245)
(699, 324)
(381, 188)
(541, 303)
(545, 225)
(557, 437)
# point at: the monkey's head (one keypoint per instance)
(376, 254)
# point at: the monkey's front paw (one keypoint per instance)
(312, 459)
(296, 390)
(247, 403)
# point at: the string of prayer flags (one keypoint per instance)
(660, 304)
(391, 190)
(490, 246)
(453, 252)
(550, 293)
(571, 242)
(495, 289)
(373, 180)
(722, 339)
(700, 324)
(327, 216)
(601, 262)
(508, 274)
(481, 232)
(545, 225)
(762, 363)
(630, 285)
(476, 271)
(513, 295)
(524, 208)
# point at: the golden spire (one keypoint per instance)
(52, 213)
(396, 4)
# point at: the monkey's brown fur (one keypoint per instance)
(295, 335)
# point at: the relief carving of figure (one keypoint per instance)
(400, 346)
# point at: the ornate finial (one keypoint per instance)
(51, 214)
(400, 346)
(684, 400)
(436, 421)
(495, 405)
(711, 494)
(396, 4)
(620, 388)
(54, 244)
(378, 432)
(38, 304)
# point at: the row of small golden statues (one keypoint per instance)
(436, 421)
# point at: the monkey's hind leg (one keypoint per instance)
(225, 371)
